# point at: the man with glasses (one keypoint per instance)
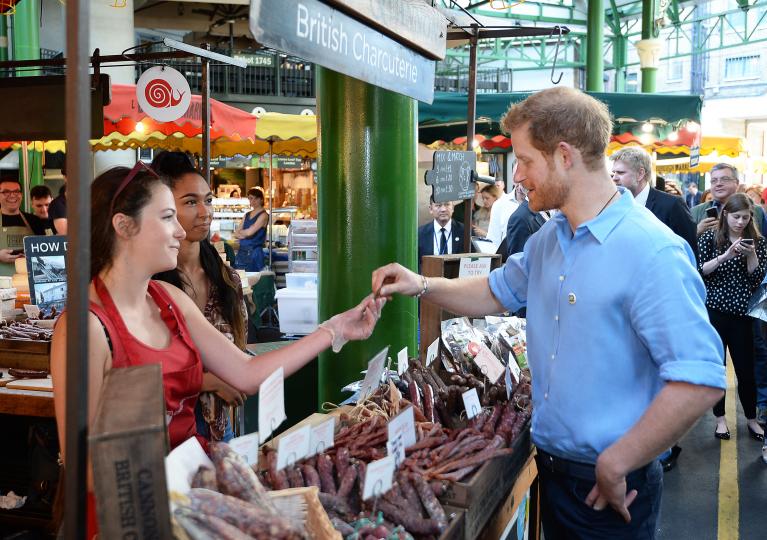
(442, 236)
(724, 183)
(15, 226)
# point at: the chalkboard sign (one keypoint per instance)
(452, 175)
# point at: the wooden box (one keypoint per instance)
(25, 354)
(501, 521)
(128, 445)
(488, 486)
(443, 266)
(456, 517)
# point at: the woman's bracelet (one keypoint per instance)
(425, 287)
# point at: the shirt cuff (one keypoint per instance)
(695, 372)
(502, 292)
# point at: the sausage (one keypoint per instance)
(325, 470)
(295, 478)
(413, 524)
(429, 501)
(347, 482)
(205, 477)
(342, 462)
(428, 403)
(201, 526)
(415, 398)
(311, 477)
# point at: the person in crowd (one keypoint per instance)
(693, 196)
(706, 197)
(252, 234)
(499, 216)
(724, 183)
(135, 320)
(632, 169)
(57, 211)
(443, 235)
(40, 198)
(597, 443)
(733, 261)
(481, 217)
(235, 194)
(212, 285)
(754, 192)
(490, 194)
(15, 226)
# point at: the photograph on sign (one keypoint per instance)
(163, 93)
(47, 271)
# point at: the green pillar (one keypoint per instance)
(649, 74)
(367, 214)
(3, 39)
(595, 65)
(620, 46)
(26, 46)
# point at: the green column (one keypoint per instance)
(3, 39)
(367, 214)
(595, 65)
(26, 46)
(620, 46)
(648, 32)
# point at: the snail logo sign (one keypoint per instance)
(163, 94)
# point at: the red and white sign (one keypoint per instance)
(163, 94)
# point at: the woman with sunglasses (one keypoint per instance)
(134, 320)
(213, 286)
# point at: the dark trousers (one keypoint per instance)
(565, 515)
(737, 335)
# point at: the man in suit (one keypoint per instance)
(724, 183)
(443, 235)
(521, 226)
(693, 195)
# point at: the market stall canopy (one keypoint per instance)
(722, 145)
(445, 118)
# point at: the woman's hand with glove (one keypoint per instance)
(356, 323)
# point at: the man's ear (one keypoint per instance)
(568, 153)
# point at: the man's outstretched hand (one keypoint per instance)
(395, 278)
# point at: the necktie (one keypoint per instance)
(442, 242)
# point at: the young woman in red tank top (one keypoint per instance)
(134, 320)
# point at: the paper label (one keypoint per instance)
(293, 446)
(471, 403)
(271, 404)
(403, 425)
(378, 477)
(431, 352)
(322, 437)
(514, 368)
(474, 266)
(373, 375)
(247, 447)
(507, 380)
(33, 312)
(402, 361)
(396, 448)
(182, 463)
(488, 364)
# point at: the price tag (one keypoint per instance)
(396, 448)
(33, 312)
(471, 403)
(507, 380)
(403, 425)
(512, 366)
(271, 403)
(322, 437)
(431, 352)
(247, 447)
(378, 477)
(488, 364)
(402, 361)
(474, 266)
(293, 446)
(373, 375)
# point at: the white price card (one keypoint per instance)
(488, 363)
(432, 351)
(516, 373)
(378, 477)
(182, 463)
(373, 376)
(293, 446)
(33, 312)
(471, 403)
(474, 266)
(403, 425)
(247, 447)
(322, 436)
(396, 448)
(271, 403)
(402, 361)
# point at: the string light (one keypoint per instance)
(673, 136)
(140, 128)
(647, 127)
(692, 127)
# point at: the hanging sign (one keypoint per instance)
(47, 271)
(694, 156)
(451, 175)
(318, 33)
(163, 93)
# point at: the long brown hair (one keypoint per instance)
(736, 203)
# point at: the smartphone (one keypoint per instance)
(747, 241)
(17, 252)
(712, 212)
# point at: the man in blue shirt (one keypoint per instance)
(616, 381)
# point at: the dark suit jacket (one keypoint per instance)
(426, 239)
(673, 212)
(522, 224)
(693, 200)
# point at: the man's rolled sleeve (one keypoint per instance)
(509, 283)
(694, 372)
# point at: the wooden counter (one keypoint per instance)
(26, 403)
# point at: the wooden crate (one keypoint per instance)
(489, 485)
(128, 444)
(25, 354)
(505, 513)
(454, 531)
(442, 266)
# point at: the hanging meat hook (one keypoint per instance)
(557, 29)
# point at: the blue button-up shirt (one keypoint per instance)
(613, 311)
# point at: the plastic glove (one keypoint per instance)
(354, 324)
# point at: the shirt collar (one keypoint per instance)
(641, 198)
(438, 227)
(601, 225)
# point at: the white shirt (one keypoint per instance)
(438, 236)
(499, 218)
(641, 198)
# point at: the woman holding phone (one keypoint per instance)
(733, 259)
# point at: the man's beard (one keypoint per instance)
(552, 194)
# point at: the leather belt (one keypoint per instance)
(584, 471)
